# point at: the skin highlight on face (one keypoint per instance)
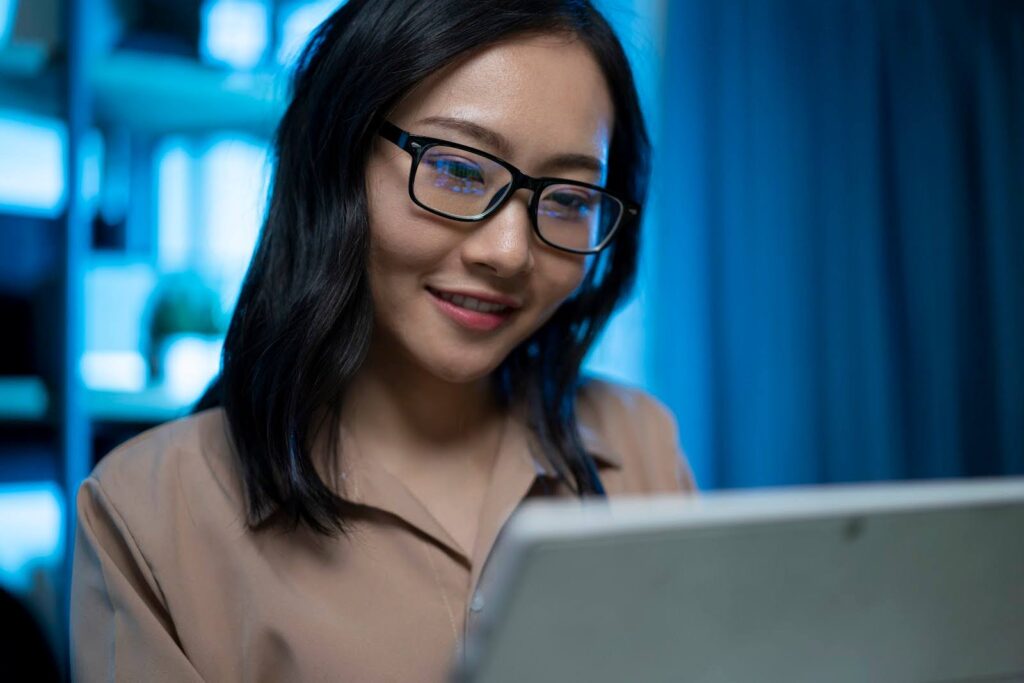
(540, 103)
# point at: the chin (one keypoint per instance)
(462, 370)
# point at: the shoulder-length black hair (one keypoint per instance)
(303, 322)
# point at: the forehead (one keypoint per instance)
(545, 94)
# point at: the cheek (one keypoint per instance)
(561, 276)
(394, 265)
(403, 247)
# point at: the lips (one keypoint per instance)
(472, 303)
(471, 312)
(476, 300)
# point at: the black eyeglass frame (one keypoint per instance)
(417, 145)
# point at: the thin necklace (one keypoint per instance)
(456, 641)
(444, 596)
(429, 552)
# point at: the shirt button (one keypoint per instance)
(477, 605)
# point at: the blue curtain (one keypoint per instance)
(839, 291)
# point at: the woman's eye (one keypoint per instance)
(456, 169)
(568, 205)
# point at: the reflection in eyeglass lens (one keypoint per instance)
(576, 217)
(460, 183)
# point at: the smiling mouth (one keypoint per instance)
(471, 304)
(469, 312)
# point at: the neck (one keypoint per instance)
(397, 406)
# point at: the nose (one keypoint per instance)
(503, 242)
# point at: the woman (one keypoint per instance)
(402, 369)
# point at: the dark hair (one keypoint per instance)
(303, 322)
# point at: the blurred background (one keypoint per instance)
(832, 286)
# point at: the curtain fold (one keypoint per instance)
(840, 295)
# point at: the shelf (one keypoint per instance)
(152, 405)
(23, 60)
(28, 83)
(23, 399)
(163, 94)
(148, 92)
(26, 399)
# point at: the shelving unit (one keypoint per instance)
(46, 413)
(23, 60)
(29, 81)
(149, 95)
(26, 401)
(157, 94)
(23, 399)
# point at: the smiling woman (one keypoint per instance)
(453, 220)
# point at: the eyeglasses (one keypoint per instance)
(466, 184)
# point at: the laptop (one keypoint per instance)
(918, 582)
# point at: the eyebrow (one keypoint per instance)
(500, 144)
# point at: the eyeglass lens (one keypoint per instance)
(462, 184)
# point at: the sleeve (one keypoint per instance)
(120, 627)
(671, 458)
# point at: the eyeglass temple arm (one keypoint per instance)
(390, 131)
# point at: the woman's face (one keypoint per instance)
(544, 97)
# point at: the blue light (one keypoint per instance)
(235, 173)
(235, 32)
(31, 523)
(32, 164)
(7, 8)
(175, 205)
(114, 335)
(298, 22)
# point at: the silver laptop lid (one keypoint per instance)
(890, 582)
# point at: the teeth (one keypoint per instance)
(471, 303)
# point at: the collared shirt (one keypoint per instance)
(170, 585)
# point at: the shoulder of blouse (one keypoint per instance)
(181, 471)
(606, 397)
(638, 433)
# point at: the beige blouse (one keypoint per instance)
(170, 585)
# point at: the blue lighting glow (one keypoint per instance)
(234, 174)
(174, 205)
(190, 364)
(235, 33)
(32, 164)
(92, 151)
(114, 335)
(298, 21)
(7, 8)
(30, 531)
(210, 207)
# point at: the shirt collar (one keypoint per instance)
(595, 444)
(605, 457)
(366, 482)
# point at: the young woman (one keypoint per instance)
(453, 219)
